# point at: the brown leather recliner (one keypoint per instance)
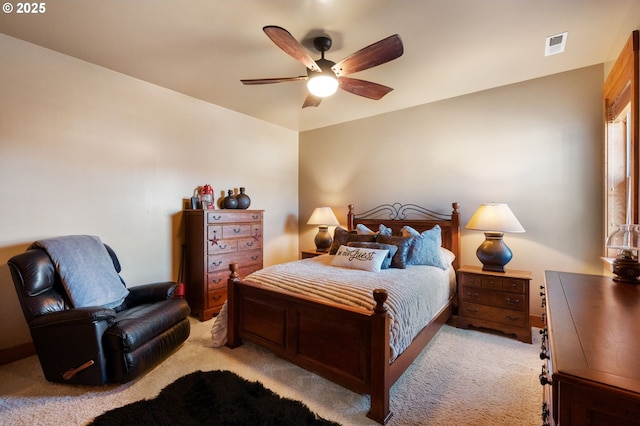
(96, 345)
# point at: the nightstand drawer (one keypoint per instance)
(514, 285)
(470, 279)
(493, 298)
(493, 283)
(499, 315)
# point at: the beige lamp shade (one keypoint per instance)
(494, 217)
(323, 216)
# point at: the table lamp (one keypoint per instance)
(626, 239)
(323, 217)
(495, 219)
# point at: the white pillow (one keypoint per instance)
(359, 258)
(447, 256)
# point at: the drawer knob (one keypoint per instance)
(512, 318)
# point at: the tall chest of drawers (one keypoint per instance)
(214, 239)
(495, 300)
(590, 347)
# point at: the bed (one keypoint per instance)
(349, 345)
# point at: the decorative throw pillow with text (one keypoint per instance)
(359, 258)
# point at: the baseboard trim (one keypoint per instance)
(16, 353)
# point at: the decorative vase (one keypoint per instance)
(243, 200)
(230, 201)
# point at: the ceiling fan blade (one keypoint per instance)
(364, 88)
(285, 41)
(273, 80)
(311, 101)
(373, 55)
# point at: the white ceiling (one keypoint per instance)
(203, 48)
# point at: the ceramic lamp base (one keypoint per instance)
(493, 253)
(323, 239)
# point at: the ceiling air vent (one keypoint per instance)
(555, 44)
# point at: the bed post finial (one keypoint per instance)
(233, 267)
(456, 207)
(350, 217)
(380, 296)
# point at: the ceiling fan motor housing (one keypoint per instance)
(322, 44)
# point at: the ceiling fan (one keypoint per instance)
(324, 77)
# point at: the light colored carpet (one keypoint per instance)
(463, 377)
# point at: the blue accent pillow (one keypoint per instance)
(384, 230)
(399, 260)
(425, 247)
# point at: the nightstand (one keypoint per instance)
(305, 254)
(495, 300)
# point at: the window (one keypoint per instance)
(622, 151)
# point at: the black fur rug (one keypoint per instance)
(213, 398)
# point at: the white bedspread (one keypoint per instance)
(416, 294)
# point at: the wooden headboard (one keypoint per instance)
(396, 215)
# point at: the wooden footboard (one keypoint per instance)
(346, 345)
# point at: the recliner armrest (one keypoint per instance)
(74, 316)
(150, 293)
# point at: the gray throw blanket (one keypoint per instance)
(86, 270)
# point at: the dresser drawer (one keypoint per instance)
(238, 230)
(220, 263)
(236, 216)
(219, 279)
(494, 314)
(222, 246)
(249, 243)
(216, 298)
(214, 232)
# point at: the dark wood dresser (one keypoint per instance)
(214, 239)
(591, 348)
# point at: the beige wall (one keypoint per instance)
(536, 146)
(87, 150)
(84, 150)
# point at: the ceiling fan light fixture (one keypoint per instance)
(322, 85)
